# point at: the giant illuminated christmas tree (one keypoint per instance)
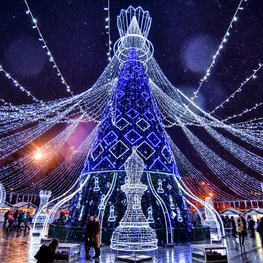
(132, 119)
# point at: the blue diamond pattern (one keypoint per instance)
(153, 139)
(132, 136)
(121, 123)
(143, 124)
(132, 113)
(110, 138)
(120, 94)
(145, 150)
(118, 149)
(148, 115)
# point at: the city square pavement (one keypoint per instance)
(20, 248)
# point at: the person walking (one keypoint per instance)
(244, 224)
(47, 254)
(28, 221)
(234, 228)
(251, 226)
(96, 234)
(6, 218)
(21, 219)
(241, 232)
(10, 222)
(89, 241)
(16, 214)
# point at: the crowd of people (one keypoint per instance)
(242, 227)
(18, 220)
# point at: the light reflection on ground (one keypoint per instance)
(20, 248)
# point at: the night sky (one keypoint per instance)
(185, 35)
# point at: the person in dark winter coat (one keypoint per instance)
(251, 226)
(96, 235)
(21, 219)
(89, 241)
(6, 217)
(234, 228)
(47, 254)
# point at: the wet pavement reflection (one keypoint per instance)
(21, 248)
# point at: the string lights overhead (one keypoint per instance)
(219, 50)
(18, 85)
(23, 124)
(252, 76)
(108, 30)
(46, 48)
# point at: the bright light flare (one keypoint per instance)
(38, 155)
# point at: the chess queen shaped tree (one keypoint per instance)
(131, 119)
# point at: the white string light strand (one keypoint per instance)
(218, 52)
(48, 52)
(252, 76)
(108, 31)
(17, 84)
(257, 105)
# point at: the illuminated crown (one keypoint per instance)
(126, 16)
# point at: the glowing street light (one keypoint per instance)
(38, 154)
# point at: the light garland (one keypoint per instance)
(17, 84)
(252, 76)
(257, 105)
(220, 48)
(108, 30)
(45, 47)
(20, 125)
(231, 176)
(193, 178)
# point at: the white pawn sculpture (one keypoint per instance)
(160, 187)
(112, 217)
(171, 202)
(96, 185)
(150, 215)
(102, 205)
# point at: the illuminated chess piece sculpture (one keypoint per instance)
(101, 205)
(96, 185)
(160, 187)
(150, 216)
(112, 217)
(44, 197)
(179, 216)
(209, 219)
(171, 202)
(134, 232)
